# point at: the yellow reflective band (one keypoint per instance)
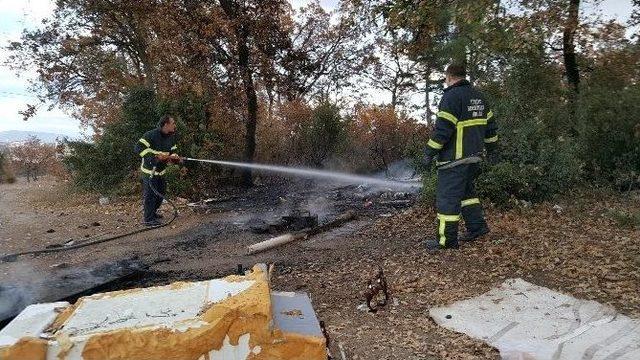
(174, 147)
(443, 222)
(445, 218)
(150, 172)
(472, 122)
(459, 139)
(491, 139)
(447, 116)
(460, 133)
(470, 202)
(434, 144)
(489, 115)
(150, 150)
(145, 142)
(145, 152)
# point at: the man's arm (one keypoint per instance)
(144, 149)
(445, 127)
(491, 133)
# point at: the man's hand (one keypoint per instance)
(427, 160)
(162, 157)
(174, 159)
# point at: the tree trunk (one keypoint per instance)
(427, 90)
(568, 46)
(570, 62)
(252, 104)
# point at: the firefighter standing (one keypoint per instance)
(464, 127)
(157, 149)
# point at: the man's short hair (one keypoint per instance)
(456, 70)
(164, 120)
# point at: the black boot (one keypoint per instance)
(433, 245)
(473, 235)
(474, 220)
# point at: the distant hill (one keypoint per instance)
(13, 136)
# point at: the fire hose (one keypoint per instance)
(14, 256)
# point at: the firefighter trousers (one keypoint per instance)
(455, 198)
(150, 199)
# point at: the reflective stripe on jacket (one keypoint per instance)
(153, 143)
(464, 124)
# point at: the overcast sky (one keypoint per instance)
(16, 15)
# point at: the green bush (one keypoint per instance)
(626, 219)
(609, 133)
(325, 136)
(110, 166)
(429, 184)
(105, 164)
(538, 159)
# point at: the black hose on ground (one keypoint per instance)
(13, 257)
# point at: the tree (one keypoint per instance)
(33, 158)
(390, 70)
(257, 35)
(635, 15)
(88, 54)
(326, 54)
(569, 47)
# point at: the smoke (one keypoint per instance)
(320, 206)
(17, 291)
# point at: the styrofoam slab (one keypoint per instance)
(164, 306)
(31, 322)
(526, 321)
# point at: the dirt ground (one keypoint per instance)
(575, 248)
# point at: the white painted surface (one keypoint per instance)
(526, 321)
(148, 307)
(153, 307)
(230, 352)
(31, 322)
(220, 289)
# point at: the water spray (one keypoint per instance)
(318, 174)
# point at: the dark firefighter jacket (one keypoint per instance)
(152, 143)
(464, 124)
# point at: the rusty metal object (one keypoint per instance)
(377, 293)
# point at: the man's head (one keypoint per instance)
(454, 73)
(167, 125)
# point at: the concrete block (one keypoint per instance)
(526, 321)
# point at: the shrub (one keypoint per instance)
(104, 164)
(609, 133)
(378, 137)
(538, 157)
